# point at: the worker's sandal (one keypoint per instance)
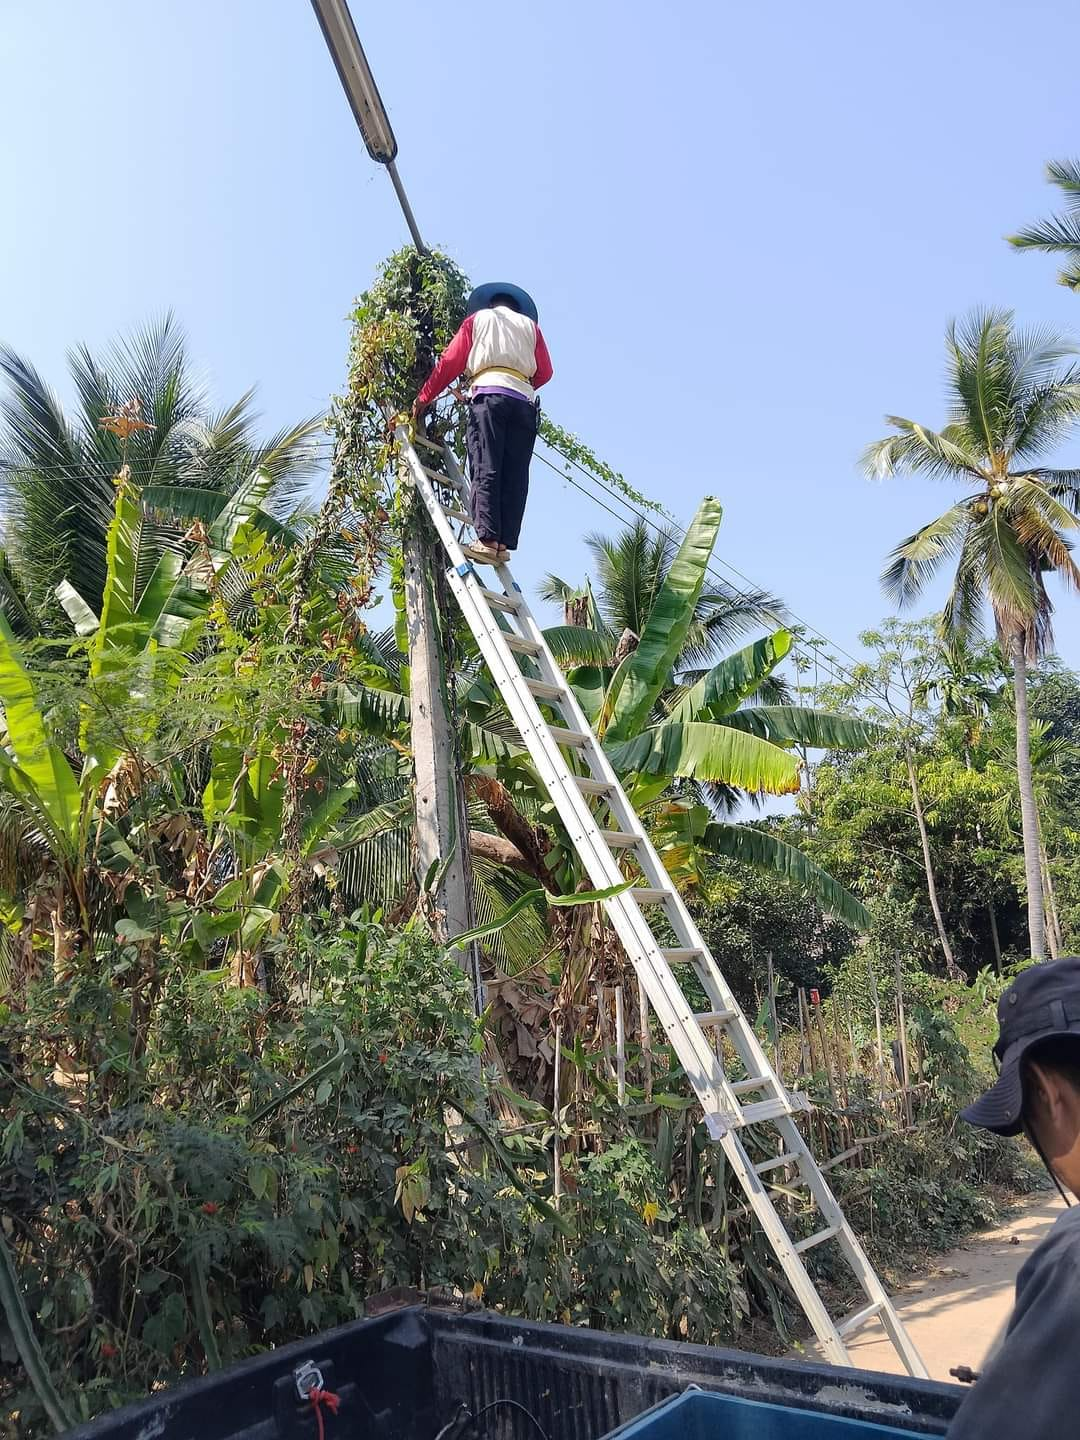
(486, 554)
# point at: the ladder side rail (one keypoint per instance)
(695, 1054)
(784, 1248)
(720, 994)
(453, 469)
(443, 528)
(813, 1177)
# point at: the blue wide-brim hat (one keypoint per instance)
(483, 295)
(1043, 1001)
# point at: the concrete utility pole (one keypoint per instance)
(442, 831)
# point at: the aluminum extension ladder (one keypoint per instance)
(608, 835)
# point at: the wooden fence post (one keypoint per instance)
(901, 1036)
(770, 976)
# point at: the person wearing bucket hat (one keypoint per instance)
(1028, 1387)
(500, 346)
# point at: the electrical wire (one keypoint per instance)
(321, 451)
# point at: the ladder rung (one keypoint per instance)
(453, 514)
(588, 786)
(682, 955)
(520, 644)
(577, 738)
(717, 1017)
(544, 690)
(818, 1239)
(620, 839)
(859, 1318)
(761, 1110)
(646, 896)
(439, 477)
(789, 1157)
(499, 602)
(744, 1087)
(426, 443)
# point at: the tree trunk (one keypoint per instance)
(1053, 924)
(994, 935)
(995, 938)
(1029, 815)
(951, 967)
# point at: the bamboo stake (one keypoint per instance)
(806, 1053)
(620, 1045)
(824, 1039)
(604, 1023)
(877, 1030)
(646, 1041)
(557, 1169)
(838, 1052)
(773, 1021)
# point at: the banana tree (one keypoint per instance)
(682, 743)
(99, 818)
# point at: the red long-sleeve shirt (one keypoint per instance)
(493, 341)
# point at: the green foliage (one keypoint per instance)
(274, 1182)
(57, 468)
(649, 667)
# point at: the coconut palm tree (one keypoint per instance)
(1060, 235)
(57, 469)
(1013, 395)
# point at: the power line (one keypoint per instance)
(321, 451)
(839, 671)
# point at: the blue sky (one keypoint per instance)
(746, 226)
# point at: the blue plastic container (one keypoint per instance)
(703, 1415)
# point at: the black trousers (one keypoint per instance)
(500, 440)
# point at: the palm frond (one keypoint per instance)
(578, 645)
(1055, 235)
(982, 375)
(376, 869)
(522, 943)
(554, 590)
(1044, 413)
(766, 852)
(1042, 543)
(962, 613)
(1066, 175)
(13, 602)
(918, 451)
(1000, 560)
(56, 473)
(916, 560)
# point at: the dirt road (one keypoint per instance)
(956, 1311)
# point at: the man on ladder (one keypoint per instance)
(501, 348)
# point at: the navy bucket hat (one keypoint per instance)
(483, 295)
(1041, 1002)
